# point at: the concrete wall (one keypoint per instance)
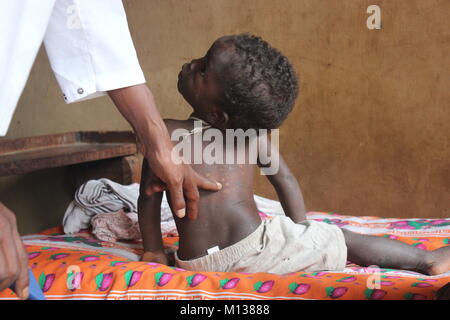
(369, 134)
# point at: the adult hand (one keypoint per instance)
(181, 181)
(137, 105)
(13, 257)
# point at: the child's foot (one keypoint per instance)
(439, 261)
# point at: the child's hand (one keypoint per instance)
(155, 256)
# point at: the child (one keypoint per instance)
(242, 82)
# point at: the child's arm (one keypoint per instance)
(149, 214)
(284, 182)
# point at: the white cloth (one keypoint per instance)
(105, 196)
(268, 206)
(99, 196)
(88, 44)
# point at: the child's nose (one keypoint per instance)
(187, 67)
(193, 63)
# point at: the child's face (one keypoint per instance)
(199, 81)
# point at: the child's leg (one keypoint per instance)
(368, 250)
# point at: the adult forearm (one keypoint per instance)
(138, 107)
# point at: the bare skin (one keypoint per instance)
(13, 257)
(137, 105)
(235, 217)
(372, 250)
(231, 214)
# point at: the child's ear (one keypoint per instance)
(219, 119)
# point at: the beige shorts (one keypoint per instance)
(278, 246)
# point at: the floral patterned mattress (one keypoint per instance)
(78, 266)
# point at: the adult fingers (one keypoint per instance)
(22, 283)
(10, 261)
(155, 185)
(177, 198)
(158, 187)
(6, 221)
(13, 257)
(191, 195)
(150, 183)
(205, 183)
(5, 280)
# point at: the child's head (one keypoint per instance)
(242, 82)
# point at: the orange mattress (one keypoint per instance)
(78, 266)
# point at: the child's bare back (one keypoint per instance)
(225, 217)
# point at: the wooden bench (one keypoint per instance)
(87, 155)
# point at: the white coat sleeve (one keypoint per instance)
(23, 24)
(90, 48)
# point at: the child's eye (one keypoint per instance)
(203, 70)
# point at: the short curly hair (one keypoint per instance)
(260, 84)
